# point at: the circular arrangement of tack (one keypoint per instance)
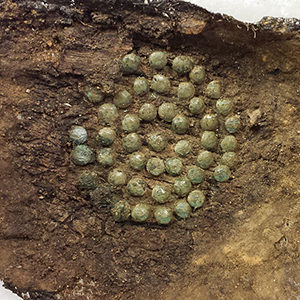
(122, 99)
(107, 113)
(137, 125)
(160, 84)
(130, 123)
(105, 157)
(160, 193)
(196, 106)
(155, 166)
(106, 136)
(182, 148)
(222, 173)
(121, 211)
(136, 187)
(82, 155)
(196, 198)
(132, 142)
(167, 111)
(78, 135)
(148, 112)
(157, 141)
(137, 160)
(232, 124)
(180, 124)
(163, 215)
(141, 86)
(182, 209)
(158, 60)
(130, 63)
(182, 186)
(186, 91)
(182, 64)
(117, 177)
(197, 75)
(140, 212)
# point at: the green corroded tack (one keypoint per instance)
(180, 124)
(173, 166)
(88, 180)
(140, 86)
(182, 148)
(130, 63)
(121, 211)
(117, 177)
(106, 136)
(209, 140)
(182, 209)
(209, 122)
(197, 74)
(101, 196)
(158, 60)
(195, 174)
(107, 113)
(160, 84)
(137, 160)
(140, 212)
(163, 215)
(229, 143)
(232, 124)
(130, 123)
(185, 91)
(157, 141)
(205, 159)
(222, 173)
(94, 95)
(136, 187)
(122, 99)
(78, 135)
(229, 159)
(213, 89)
(155, 166)
(132, 142)
(167, 111)
(196, 106)
(182, 64)
(148, 112)
(82, 155)
(224, 106)
(161, 193)
(196, 198)
(105, 157)
(182, 186)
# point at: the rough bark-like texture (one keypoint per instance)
(55, 244)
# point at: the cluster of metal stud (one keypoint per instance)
(162, 200)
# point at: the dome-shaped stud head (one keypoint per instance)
(185, 91)
(229, 143)
(158, 60)
(161, 193)
(78, 135)
(140, 212)
(174, 166)
(195, 174)
(180, 124)
(94, 94)
(130, 123)
(157, 141)
(132, 142)
(155, 166)
(182, 186)
(209, 122)
(182, 64)
(130, 63)
(105, 157)
(107, 113)
(224, 106)
(160, 84)
(88, 180)
(209, 140)
(117, 177)
(196, 106)
(205, 159)
(106, 136)
(167, 111)
(197, 75)
(121, 211)
(122, 99)
(222, 173)
(141, 86)
(148, 112)
(229, 159)
(136, 187)
(213, 89)
(196, 199)
(163, 215)
(182, 209)
(182, 148)
(137, 160)
(82, 155)
(232, 124)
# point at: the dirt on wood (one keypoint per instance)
(55, 244)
